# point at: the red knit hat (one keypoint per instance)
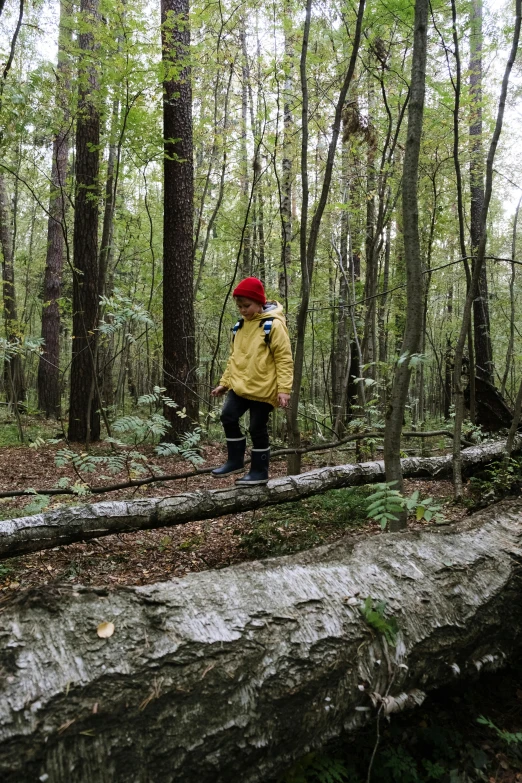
(251, 288)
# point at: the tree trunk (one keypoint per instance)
(511, 342)
(80, 523)
(414, 281)
(309, 238)
(233, 674)
(13, 373)
(286, 164)
(49, 385)
(179, 362)
(84, 416)
(246, 262)
(481, 326)
(481, 252)
(369, 341)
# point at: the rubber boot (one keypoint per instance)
(236, 458)
(258, 473)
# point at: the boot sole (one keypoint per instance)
(229, 473)
(250, 483)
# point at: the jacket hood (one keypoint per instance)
(272, 309)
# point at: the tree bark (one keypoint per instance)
(308, 239)
(481, 252)
(12, 369)
(179, 358)
(80, 523)
(286, 163)
(233, 674)
(414, 279)
(84, 416)
(49, 386)
(481, 324)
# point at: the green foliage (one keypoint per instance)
(122, 311)
(186, 448)
(135, 430)
(317, 768)
(385, 504)
(498, 480)
(375, 616)
(510, 738)
(37, 504)
(423, 508)
(400, 765)
(304, 524)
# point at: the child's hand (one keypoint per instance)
(283, 400)
(218, 391)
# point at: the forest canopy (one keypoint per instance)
(154, 154)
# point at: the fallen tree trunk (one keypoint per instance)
(232, 674)
(133, 483)
(81, 523)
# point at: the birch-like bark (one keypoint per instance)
(80, 523)
(231, 675)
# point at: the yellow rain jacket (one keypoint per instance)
(258, 371)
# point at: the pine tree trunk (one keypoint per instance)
(49, 382)
(179, 358)
(84, 416)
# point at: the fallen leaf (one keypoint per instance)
(105, 630)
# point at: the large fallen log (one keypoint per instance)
(231, 675)
(80, 523)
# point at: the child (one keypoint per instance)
(258, 376)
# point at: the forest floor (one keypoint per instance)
(440, 741)
(150, 556)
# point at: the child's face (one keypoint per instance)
(247, 307)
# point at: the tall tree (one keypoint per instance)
(13, 373)
(479, 261)
(309, 235)
(286, 164)
(84, 415)
(412, 253)
(179, 361)
(481, 321)
(49, 386)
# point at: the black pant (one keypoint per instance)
(235, 407)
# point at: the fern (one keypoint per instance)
(317, 768)
(375, 616)
(166, 449)
(37, 504)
